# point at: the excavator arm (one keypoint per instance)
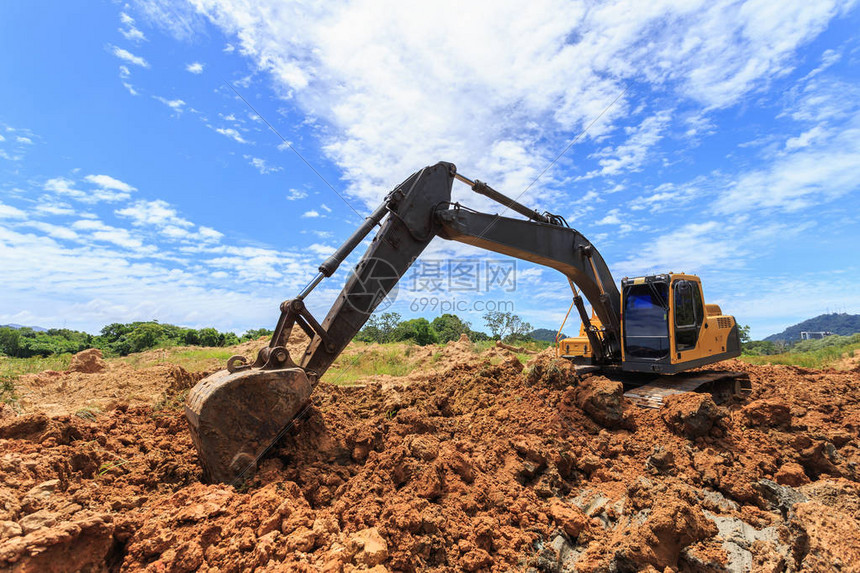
(237, 414)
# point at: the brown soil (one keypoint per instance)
(468, 464)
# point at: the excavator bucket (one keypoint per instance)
(236, 416)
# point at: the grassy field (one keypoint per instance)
(192, 358)
(827, 352)
(12, 368)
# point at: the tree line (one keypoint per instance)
(115, 339)
(121, 339)
(388, 327)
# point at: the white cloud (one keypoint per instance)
(611, 218)
(798, 180)
(261, 166)
(325, 207)
(106, 189)
(127, 56)
(2, 138)
(312, 214)
(232, 134)
(208, 234)
(10, 212)
(321, 250)
(632, 154)
(124, 72)
(176, 105)
(179, 19)
(63, 186)
(24, 140)
(506, 86)
(54, 231)
(195, 68)
(130, 88)
(132, 34)
(805, 138)
(820, 164)
(296, 194)
(669, 196)
(116, 285)
(101, 232)
(48, 205)
(690, 249)
(158, 213)
(164, 218)
(108, 182)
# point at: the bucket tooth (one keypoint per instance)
(234, 417)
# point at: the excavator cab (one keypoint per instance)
(666, 327)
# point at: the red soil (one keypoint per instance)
(477, 466)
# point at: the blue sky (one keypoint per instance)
(136, 185)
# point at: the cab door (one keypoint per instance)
(688, 315)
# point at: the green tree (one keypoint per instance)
(418, 330)
(507, 326)
(10, 341)
(759, 348)
(744, 334)
(191, 337)
(256, 333)
(495, 321)
(380, 328)
(209, 337)
(449, 327)
(114, 331)
(145, 336)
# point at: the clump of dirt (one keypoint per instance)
(473, 463)
(88, 361)
(691, 414)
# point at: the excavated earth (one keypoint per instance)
(471, 463)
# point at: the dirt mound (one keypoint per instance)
(474, 463)
(88, 361)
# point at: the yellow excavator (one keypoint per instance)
(657, 325)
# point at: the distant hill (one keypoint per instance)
(837, 323)
(17, 326)
(545, 334)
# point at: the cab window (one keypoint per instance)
(645, 325)
(689, 314)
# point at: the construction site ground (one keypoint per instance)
(455, 460)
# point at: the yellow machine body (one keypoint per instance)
(671, 329)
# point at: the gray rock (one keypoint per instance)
(738, 536)
(780, 497)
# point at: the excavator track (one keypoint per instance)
(722, 385)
